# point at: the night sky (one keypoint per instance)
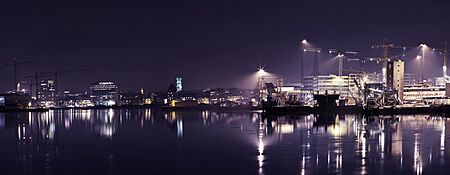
(210, 43)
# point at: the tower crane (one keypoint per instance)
(55, 74)
(385, 57)
(444, 52)
(14, 64)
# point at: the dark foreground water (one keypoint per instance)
(148, 142)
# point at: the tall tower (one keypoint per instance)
(179, 84)
(395, 76)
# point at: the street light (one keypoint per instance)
(305, 47)
(423, 46)
(261, 71)
(418, 58)
(341, 58)
(304, 42)
(341, 62)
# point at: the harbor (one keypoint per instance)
(257, 87)
(106, 139)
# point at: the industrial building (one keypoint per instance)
(419, 92)
(395, 77)
(409, 79)
(331, 83)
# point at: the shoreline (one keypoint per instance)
(302, 110)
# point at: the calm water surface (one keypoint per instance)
(205, 142)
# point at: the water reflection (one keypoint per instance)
(382, 144)
(51, 142)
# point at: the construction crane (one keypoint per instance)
(385, 57)
(36, 81)
(56, 73)
(341, 56)
(444, 52)
(14, 64)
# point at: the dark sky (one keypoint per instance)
(210, 43)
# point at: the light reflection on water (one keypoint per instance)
(130, 140)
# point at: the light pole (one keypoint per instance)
(303, 45)
(423, 47)
(341, 62)
(444, 68)
(418, 58)
(309, 48)
(444, 53)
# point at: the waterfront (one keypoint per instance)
(132, 141)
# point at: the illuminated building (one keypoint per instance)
(409, 79)
(171, 93)
(47, 92)
(179, 84)
(70, 99)
(419, 92)
(105, 93)
(229, 97)
(440, 81)
(331, 83)
(25, 87)
(373, 77)
(133, 98)
(395, 77)
(217, 96)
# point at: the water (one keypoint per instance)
(205, 142)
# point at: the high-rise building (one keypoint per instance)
(179, 84)
(47, 91)
(395, 77)
(105, 93)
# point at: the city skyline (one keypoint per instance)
(208, 44)
(224, 87)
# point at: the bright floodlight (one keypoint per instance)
(418, 57)
(304, 41)
(424, 46)
(261, 71)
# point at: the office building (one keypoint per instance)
(47, 92)
(179, 84)
(105, 93)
